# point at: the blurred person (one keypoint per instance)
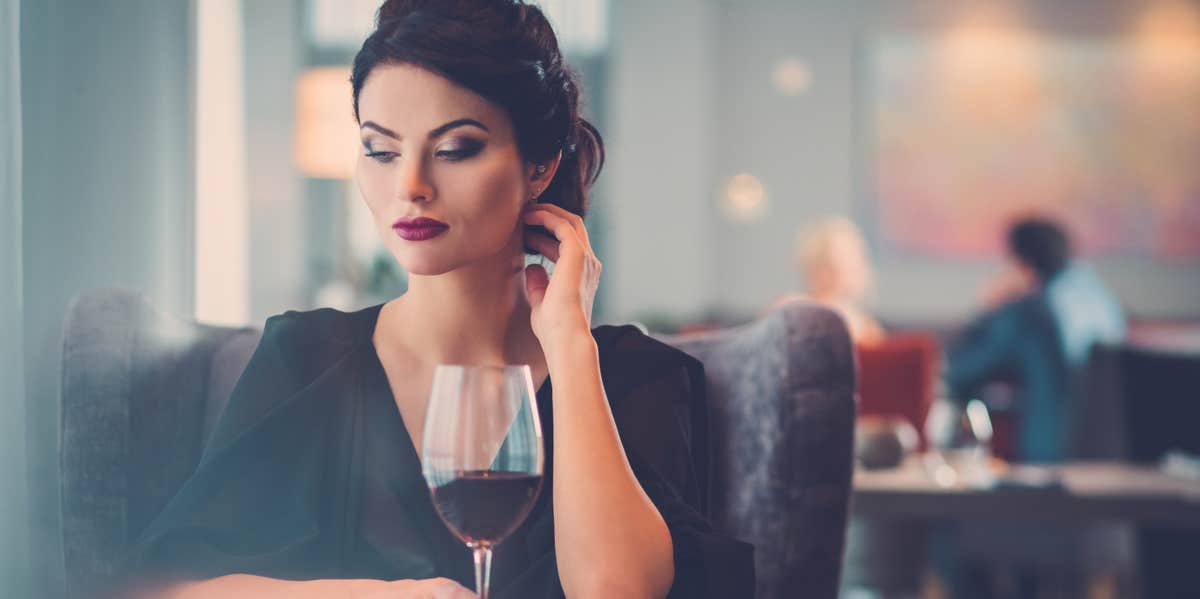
(832, 257)
(474, 154)
(1044, 314)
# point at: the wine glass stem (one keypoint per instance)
(483, 569)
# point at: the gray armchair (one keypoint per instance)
(781, 395)
(141, 390)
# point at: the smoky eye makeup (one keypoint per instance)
(381, 156)
(369, 147)
(460, 149)
(452, 150)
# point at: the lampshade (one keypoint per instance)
(326, 135)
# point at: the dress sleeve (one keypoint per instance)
(253, 503)
(669, 458)
(268, 377)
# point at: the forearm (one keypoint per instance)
(246, 585)
(607, 532)
(976, 358)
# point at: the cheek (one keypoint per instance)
(373, 187)
(495, 193)
(504, 180)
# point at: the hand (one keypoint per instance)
(430, 588)
(562, 306)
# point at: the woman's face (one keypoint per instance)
(435, 150)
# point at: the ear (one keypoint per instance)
(540, 174)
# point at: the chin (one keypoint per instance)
(426, 266)
(431, 261)
(431, 271)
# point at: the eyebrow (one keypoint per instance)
(432, 134)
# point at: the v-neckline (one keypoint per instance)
(383, 388)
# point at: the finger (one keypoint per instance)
(536, 283)
(571, 252)
(431, 588)
(542, 244)
(574, 219)
(559, 227)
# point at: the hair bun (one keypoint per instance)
(392, 10)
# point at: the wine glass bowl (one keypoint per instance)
(482, 455)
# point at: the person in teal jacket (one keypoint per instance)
(1047, 315)
(1038, 337)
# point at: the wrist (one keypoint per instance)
(570, 349)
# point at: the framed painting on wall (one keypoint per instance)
(973, 128)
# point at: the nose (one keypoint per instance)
(413, 182)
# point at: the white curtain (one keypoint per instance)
(14, 563)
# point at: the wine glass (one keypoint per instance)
(482, 455)
(959, 444)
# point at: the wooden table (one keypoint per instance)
(1090, 492)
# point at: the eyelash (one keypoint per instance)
(450, 155)
(381, 157)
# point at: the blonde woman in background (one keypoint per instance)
(832, 257)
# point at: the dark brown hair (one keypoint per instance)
(1040, 244)
(505, 51)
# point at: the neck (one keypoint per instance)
(477, 314)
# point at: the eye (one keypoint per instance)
(460, 151)
(381, 156)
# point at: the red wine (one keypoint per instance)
(485, 506)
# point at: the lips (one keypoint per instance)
(419, 229)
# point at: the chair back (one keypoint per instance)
(136, 386)
(897, 377)
(1159, 391)
(781, 395)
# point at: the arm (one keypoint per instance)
(609, 538)
(985, 350)
(606, 529)
(245, 585)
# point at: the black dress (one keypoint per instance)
(310, 473)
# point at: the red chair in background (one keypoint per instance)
(898, 377)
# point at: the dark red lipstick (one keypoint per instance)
(419, 229)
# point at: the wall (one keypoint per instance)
(660, 157)
(275, 191)
(800, 147)
(108, 139)
(14, 532)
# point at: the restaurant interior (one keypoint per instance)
(940, 260)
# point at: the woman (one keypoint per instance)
(832, 256)
(474, 153)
